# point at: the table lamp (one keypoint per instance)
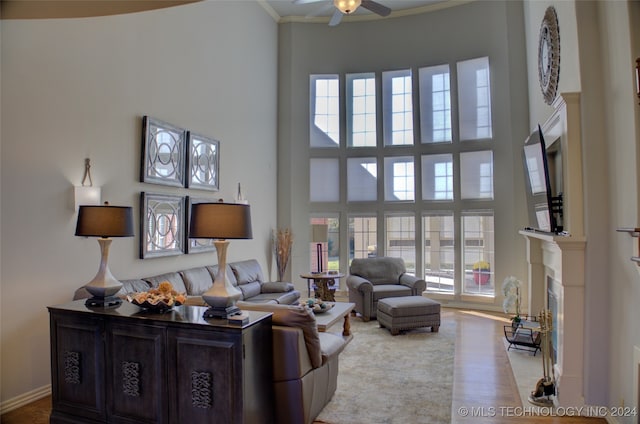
(319, 235)
(220, 222)
(104, 221)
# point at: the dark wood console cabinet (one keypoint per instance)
(126, 365)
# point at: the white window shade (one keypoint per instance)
(399, 179)
(362, 179)
(435, 104)
(476, 175)
(474, 99)
(324, 180)
(437, 177)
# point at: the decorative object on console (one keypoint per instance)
(86, 194)
(163, 153)
(221, 221)
(511, 291)
(160, 299)
(549, 55)
(104, 222)
(161, 225)
(282, 240)
(481, 272)
(319, 235)
(203, 162)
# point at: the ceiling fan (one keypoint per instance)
(347, 7)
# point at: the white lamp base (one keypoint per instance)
(104, 285)
(222, 295)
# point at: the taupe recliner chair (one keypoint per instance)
(372, 279)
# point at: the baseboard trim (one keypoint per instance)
(25, 398)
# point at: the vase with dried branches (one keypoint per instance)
(282, 240)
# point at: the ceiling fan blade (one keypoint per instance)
(321, 11)
(336, 18)
(306, 1)
(376, 7)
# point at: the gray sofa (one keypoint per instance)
(305, 362)
(246, 275)
(372, 279)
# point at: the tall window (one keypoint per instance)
(430, 202)
(361, 110)
(437, 177)
(325, 111)
(400, 234)
(399, 179)
(478, 252)
(398, 108)
(435, 104)
(474, 99)
(362, 237)
(439, 253)
(362, 179)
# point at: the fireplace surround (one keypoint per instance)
(556, 263)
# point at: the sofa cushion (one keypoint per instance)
(390, 290)
(172, 277)
(293, 316)
(196, 280)
(276, 287)
(249, 290)
(247, 271)
(383, 270)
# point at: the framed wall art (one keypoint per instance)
(203, 162)
(163, 153)
(196, 245)
(162, 225)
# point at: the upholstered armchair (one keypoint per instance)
(372, 279)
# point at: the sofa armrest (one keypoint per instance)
(357, 283)
(331, 345)
(276, 287)
(416, 284)
(290, 356)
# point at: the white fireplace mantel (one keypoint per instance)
(556, 268)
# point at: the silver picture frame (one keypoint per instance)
(203, 162)
(196, 245)
(163, 153)
(162, 225)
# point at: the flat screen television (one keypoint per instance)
(543, 175)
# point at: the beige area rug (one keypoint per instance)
(386, 379)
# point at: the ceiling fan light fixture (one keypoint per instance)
(347, 6)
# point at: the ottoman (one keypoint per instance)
(403, 313)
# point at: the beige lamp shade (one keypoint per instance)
(319, 233)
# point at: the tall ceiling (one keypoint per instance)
(282, 10)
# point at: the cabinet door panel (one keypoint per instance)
(77, 366)
(206, 383)
(137, 382)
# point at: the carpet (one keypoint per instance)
(386, 379)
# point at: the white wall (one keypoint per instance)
(76, 88)
(597, 61)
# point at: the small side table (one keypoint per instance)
(322, 282)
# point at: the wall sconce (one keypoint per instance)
(86, 194)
